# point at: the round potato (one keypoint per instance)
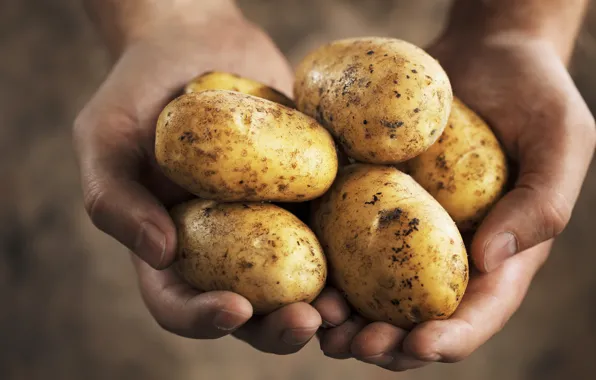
(228, 146)
(259, 251)
(217, 80)
(465, 170)
(391, 248)
(384, 100)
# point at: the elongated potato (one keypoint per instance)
(384, 100)
(227, 146)
(259, 251)
(391, 248)
(465, 170)
(217, 80)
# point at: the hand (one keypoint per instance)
(127, 197)
(522, 88)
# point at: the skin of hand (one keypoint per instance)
(125, 193)
(519, 83)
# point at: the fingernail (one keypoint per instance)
(297, 337)
(432, 356)
(150, 244)
(228, 320)
(380, 359)
(327, 325)
(498, 249)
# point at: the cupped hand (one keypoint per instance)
(523, 90)
(127, 197)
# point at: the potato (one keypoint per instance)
(384, 100)
(227, 146)
(391, 248)
(465, 170)
(216, 80)
(259, 251)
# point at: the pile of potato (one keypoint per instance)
(392, 166)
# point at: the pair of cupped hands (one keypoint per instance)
(519, 85)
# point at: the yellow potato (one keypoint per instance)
(228, 146)
(216, 80)
(391, 248)
(259, 251)
(384, 100)
(465, 170)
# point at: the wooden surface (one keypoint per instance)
(71, 308)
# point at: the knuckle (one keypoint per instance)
(551, 207)
(108, 125)
(429, 356)
(151, 294)
(425, 349)
(423, 352)
(556, 213)
(94, 199)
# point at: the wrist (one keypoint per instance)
(513, 38)
(458, 40)
(187, 15)
(554, 22)
(124, 23)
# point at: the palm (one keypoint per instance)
(128, 196)
(509, 87)
(166, 68)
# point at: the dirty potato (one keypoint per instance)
(391, 248)
(259, 251)
(228, 146)
(465, 170)
(217, 80)
(384, 100)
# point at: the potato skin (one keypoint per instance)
(391, 248)
(217, 80)
(465, 170)
(259, 251)
(385, 100)
(228, 146)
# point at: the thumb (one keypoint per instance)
(118, 204)
(552, 169)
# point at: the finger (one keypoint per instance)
(184, 311)
(489, 302)
(336, 342)
(553, 165)
(284, 331)
(332, 307)
(380, 343)
(110, 162)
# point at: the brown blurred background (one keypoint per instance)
(70, 306)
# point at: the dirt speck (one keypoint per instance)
(388, 216)
(392, 124)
